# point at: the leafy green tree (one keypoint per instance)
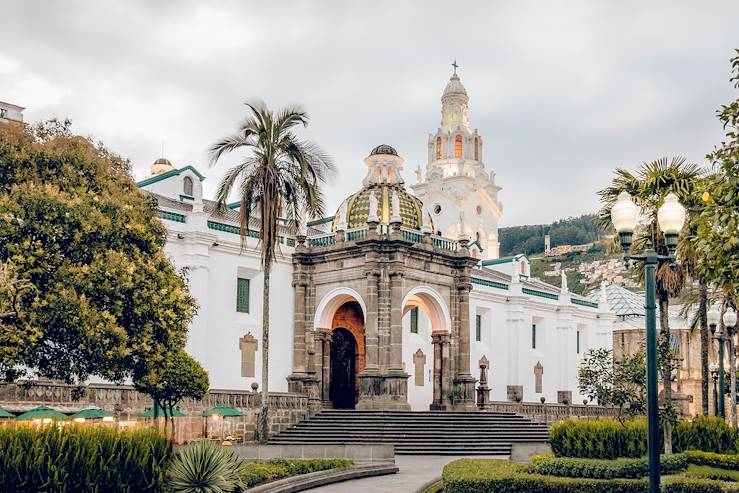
(717, 239)
(279, 177)
(621, 383)
(168, 378)
(76, 228)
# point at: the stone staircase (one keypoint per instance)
(418, 433)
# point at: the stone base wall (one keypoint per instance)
(285, 409)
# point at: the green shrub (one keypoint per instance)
(687, 485)
(708, 472)
(722, 461)
(710, 434)
(609, 439)
(499, 476)
(82, 458)
(598, 439)
(257, 472)
(204, 467)
(606, 469)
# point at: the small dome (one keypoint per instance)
(160, 166)
(384, 149)
(357, 207)
(454, 86)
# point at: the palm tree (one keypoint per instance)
(279, 177)
(648, 187)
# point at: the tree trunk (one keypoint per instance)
(705, 344)
(263, 418)
(664, 326)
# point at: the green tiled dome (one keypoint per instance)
(357, 210)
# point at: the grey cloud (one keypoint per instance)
(563, 92)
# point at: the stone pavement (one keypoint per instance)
(415, 471)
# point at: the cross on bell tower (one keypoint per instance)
(454, 64)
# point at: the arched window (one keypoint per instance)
(187, 186)
(438, 147)
(458, 146)
(477, 149)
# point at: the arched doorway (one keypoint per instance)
(343, 369)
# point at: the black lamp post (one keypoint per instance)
(714, 375)
(670, 217)
(713, 318)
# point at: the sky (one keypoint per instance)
(563, 92)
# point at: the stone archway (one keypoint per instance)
(350, 317)
(433, 306)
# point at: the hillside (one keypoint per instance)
(585, 266)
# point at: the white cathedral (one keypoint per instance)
(399, 301)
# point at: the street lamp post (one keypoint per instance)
(714, 375)
(713, 318)
(730, 324)
(670, 217)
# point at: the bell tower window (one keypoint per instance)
(187, 186)
(477, 149)
(438, 147)
(458, 146)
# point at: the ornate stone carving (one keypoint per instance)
(248, 345)
(419, 365)
(538, 372)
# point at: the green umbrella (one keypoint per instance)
(162, 413)
(42, 412)
(92, 413)
(5, 414)
(222, 411)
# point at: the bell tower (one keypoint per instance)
(457, 190)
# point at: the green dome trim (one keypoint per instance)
(384, 149)
(357, 209)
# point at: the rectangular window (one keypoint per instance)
(478, 328)
(578, 342)
(533, 336)
(414, 320)
(242, 295)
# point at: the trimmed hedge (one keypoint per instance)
(257, 472)
(708, 472)
(606, 469)
(722, 461)
(609, 439)
(74, 458)
(499, 476)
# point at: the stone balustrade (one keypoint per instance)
(549, 413)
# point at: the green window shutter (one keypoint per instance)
(414, 320)
(478, 328)
(242, 295)
(578, 342)
(533, 336)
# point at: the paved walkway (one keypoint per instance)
(415, 471)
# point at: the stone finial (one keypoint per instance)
(515, 274)
(426, 228)
(395, 202)
(603, 299)
(462, 228)
(341, 226)
(484, 364)
(303, 225)
(419, 174)
(373, 217)
(563, 286)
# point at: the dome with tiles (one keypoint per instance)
(357, 207)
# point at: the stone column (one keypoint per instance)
(464, 382)
(440, 341)
(323, 340)
(370, 326)
(396, 320)
(299, 363)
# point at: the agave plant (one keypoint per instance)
(204, 467)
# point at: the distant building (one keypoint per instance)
(10, 113)
(547, 244)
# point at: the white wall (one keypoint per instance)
(419, 397)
